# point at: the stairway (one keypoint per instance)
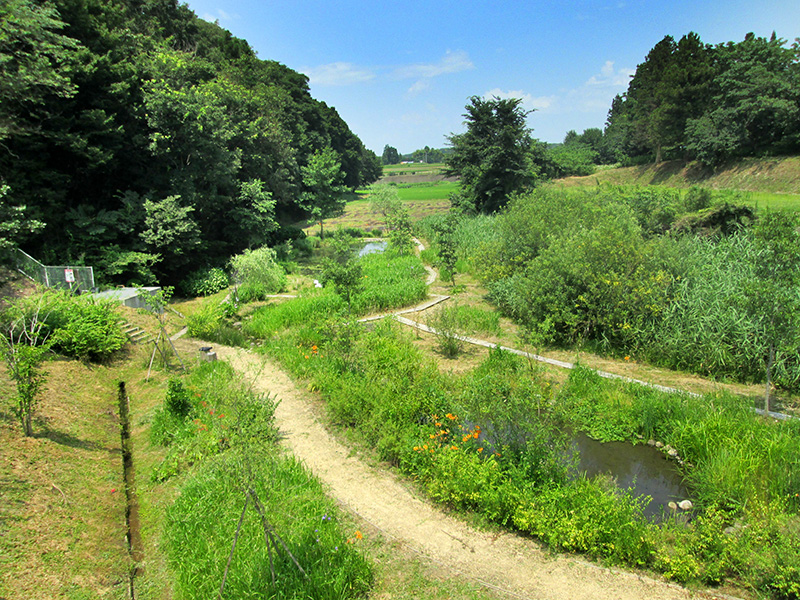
(135, 334)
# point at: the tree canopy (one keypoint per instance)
(115, 111)
(495, 156)
(691, 100)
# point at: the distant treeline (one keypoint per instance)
(426, 155)
(712, 103)
(145, 141)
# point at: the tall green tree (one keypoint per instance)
(325, 196)
(390, 155)
(493, 158)
(35, 62)
(755, 107)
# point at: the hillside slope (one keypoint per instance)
(774, 175)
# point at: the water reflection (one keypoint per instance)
(642, 468)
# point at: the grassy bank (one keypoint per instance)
(768, 183)
(62, 512)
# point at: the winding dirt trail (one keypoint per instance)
(504, 562)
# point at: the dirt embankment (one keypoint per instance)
(416, 178)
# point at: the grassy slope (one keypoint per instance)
(758, 175)
(62, 499)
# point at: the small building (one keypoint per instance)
(127, 296)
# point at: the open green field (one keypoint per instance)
(435, 190)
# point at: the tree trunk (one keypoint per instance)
(28, 425)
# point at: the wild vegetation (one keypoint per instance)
(161, 142)
(191, 151)
(488, 442)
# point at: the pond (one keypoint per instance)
(641, 467)
(375, 247)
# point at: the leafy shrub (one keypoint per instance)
(170, 419)
(570, 159)
(448, 331)
(89, 329)
(258, 274)
(206, 320)
(590, 516)
(205, 282)
(210, 323)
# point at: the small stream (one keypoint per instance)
(641, 467)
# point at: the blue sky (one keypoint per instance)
(400, 73)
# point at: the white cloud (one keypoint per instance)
(599, 90)
(338, 73)
(610, 77)
(418, 87)
(451, 62)
(220, 16)
(529, 102)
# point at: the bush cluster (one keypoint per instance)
(257, 274)
(205, 282)
(77, 326)
(617, 269)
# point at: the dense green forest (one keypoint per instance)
(142, 140)
(711, 103)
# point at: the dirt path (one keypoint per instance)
(506, 562)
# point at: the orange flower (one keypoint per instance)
(450, 416)
(358, 535)
(480, 449)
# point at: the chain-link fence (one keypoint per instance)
(78, 279)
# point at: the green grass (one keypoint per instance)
(220, 437)
(773, 201)
(436, 190)
(485, 442)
